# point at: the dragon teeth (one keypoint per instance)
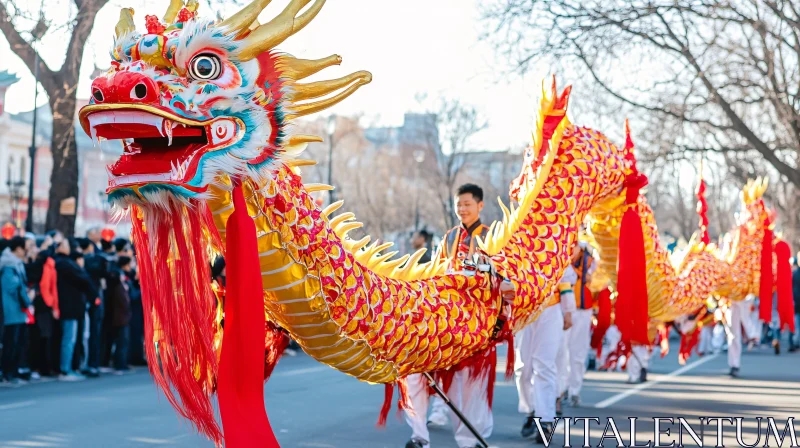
(168, 125)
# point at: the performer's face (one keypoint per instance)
(468, 208)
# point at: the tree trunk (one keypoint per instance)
(64, 178)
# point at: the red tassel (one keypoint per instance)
(603, 320)
(702, 210)
(241, 371)
(785, 298)
(631, 305)
(663, 340)
(766, 282)
(275, 343)
(510, 356)
(176, 288)
(388, 392)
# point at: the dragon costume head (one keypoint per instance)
(192, 99)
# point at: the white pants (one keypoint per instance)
(579, 340)
(640, 359)
(704, 344)
(750, 321)
(562, 363)
(612, 339)
(734, 330)
(466, 394)
(535, 367)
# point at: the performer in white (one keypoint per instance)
(739, 316)
(537, 350)
(466, 393)
(580, 335)
(638, 363)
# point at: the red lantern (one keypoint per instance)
(8, 231)
(107, 234)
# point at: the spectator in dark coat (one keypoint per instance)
(794, 340)
(97, 266)
(120, 308)
(16, 303)
(74, 286)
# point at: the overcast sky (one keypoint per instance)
(411, 47)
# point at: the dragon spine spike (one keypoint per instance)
(272, 33)
(341, 218)
(300, 139)
(394, 264)
(332, 207)
(414, 259)
(240, 23)
(301, 110)
(298, 69)
(377, 259)
(321, 88)
(342, 230)
(358, 245)
(311, 188)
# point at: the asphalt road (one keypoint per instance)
(311, 405)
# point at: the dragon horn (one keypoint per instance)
(125, 24)
(239, 23)
(272, 33)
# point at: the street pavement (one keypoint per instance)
(311, 405)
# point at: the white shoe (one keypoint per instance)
(575, 401)
(438, 419)
(71, 377)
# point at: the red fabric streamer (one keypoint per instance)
(663, 339)
(688, 343)
(702, 211)
(509, 356)
(766, 283)
(631, 304)
(603, 320)
(240, 385)
(276, 342)
(784, 274)
(388, 392)
(176, 289)
(630, 308)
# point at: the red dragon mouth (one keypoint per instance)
(159, 146)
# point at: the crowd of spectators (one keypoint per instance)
(71, 307)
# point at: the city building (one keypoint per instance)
(15, 141)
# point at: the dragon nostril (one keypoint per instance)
(139, 91)
(98, 95)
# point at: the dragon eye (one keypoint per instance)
(205, 67)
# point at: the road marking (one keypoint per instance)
(635, 390)
(301, 371)
(21, 404)
(149, 440)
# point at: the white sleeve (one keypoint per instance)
(568, 304)
(568, 300)
(569, 276)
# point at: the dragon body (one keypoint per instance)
(204, 109)
(679, 284)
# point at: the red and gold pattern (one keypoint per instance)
(678, 285)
